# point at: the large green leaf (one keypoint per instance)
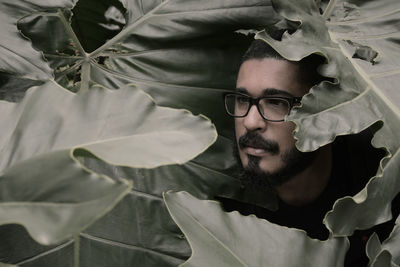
(148, 235)
(230, 239)
(46, 190)
(186, 48)
(359, 40)
(54, 198)
(183, 53)
(362, 93)
(123, 127)
(386, 253)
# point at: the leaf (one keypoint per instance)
(127, 121)
(188, 49)
(386, 253)
(184, 54)
(66, 204)
(148, 235)
(43, 123)
(219, 239)
(17, 56)
(362, 94)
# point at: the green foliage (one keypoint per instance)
(71, 147)
(359, 40)
(362, 94)
(62, 136)
(230, 239)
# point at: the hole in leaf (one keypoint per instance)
(77, 76)
(323, 4)
(94, 26)
(70, 78)
(56, 33)
(364, 52)
(48, 34)
(101, 59)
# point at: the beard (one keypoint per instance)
(294, 162)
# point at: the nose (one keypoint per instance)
(253, 121)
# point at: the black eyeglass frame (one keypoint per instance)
(254, 101)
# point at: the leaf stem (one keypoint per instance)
(71, 32)
(126, 31)
(76, 250)
(329, 9)
(85, 76)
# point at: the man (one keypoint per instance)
(306, 184)
(265, 141)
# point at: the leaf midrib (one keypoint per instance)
(204, 10)
(368, 37)
(150, 82)
(47, 252)
(127, 246)
(359, 21)
(126, 31)
(219, 242)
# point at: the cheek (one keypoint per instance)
(286, 140)
(239, 129)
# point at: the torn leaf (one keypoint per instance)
(364, 52)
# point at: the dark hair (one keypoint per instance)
(259, 49)
(308, 73)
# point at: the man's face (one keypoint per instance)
(264, 146)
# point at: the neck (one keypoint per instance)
(306, 186)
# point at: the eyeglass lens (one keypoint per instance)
(271, 108)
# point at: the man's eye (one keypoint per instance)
(276, 102)
(242, 99)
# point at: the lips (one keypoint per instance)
(254, 151)
(254, 144)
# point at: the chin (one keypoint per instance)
(271, 164)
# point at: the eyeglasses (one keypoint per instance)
(271, 108)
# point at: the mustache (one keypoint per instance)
(253, 139)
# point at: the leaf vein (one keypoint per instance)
(209, 233)
(369, 37)
(385, 74)
(208, 10)
(139, 80)
(46, 252)
(128, 246)
(359, 21)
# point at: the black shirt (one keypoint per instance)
(355, 161)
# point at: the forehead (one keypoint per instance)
(257, 75)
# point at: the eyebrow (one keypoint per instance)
(266, 92)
